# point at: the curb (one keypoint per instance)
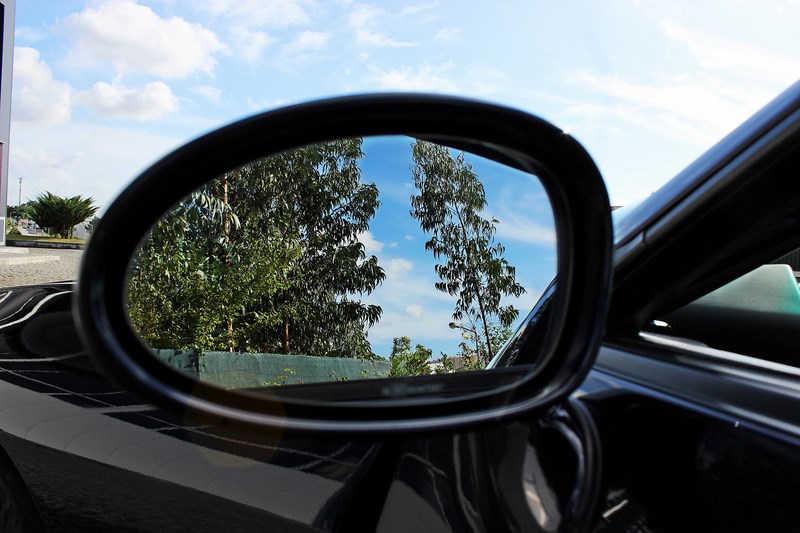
(51, 245)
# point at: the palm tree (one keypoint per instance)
(61, 214)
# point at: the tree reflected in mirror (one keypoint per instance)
(350, 259)
(449, 204)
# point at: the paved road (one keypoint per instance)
(64, 270)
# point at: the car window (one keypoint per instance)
(757, 314)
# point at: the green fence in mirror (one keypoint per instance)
(237, 370)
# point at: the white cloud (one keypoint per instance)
(307, 40)
(411, 305)
(50, 172)
(28, 35)
(696, 109)
(401, 289)
(720, 85)
(82, 159)
(751, 62)
(408, 237)
(414, 311)
(397, 269)
(250, 44)
(263, 105)
(482, 80)
(371, 245)
(781, 6)
(210, 93)
(524, 213)
(426, 78)
(447, 34)
(133, 38)
(246, 22)
(418, 8)
(261, 13)
(430, 326)
(115, 100)
(518, 228)
(363, 19)
(469, 80)
(37, 96)
(303, 49)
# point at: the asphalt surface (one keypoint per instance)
(65, 269)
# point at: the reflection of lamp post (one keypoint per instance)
(462, 327)
(456, 325)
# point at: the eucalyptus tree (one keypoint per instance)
(449, 205)
(270, 253)
(314, 203)
(193, 276)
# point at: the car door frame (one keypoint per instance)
(652, 275)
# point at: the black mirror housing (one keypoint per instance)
(583, 226)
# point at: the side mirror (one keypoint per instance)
(248, 248)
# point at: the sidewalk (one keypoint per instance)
(10, 255)
(37, 266)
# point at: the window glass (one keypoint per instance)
(757, 314)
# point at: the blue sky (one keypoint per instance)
(102, 88)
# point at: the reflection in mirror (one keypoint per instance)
(350, 259)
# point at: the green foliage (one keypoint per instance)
(472, 351)
(61, 214)
(89, 227)
(18, 212)
(404, 362)
(446, 365)
(265, 258)
(190, 284)
(449, 206)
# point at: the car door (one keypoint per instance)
(699, 434)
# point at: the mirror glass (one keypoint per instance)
(352, 259)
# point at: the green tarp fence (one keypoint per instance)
(234, 370)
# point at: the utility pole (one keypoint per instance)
(19, 200)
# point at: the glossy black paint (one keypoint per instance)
(95, 458)
(679, 466)
(134, 467)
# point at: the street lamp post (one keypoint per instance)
(456, 325)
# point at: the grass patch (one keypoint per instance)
(40, 238)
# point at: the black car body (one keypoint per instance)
(665, 434)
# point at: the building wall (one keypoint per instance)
(7, 11)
